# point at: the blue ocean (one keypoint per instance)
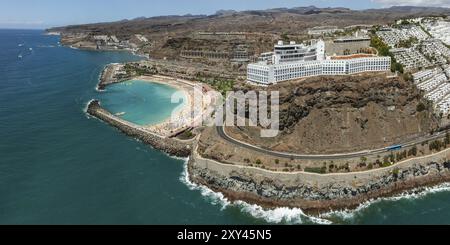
(140, 102)
(59, 166)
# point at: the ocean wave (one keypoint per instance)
(99, 78)
(98, 90)
(413, 194)
(296, 215)
(85, 109)
(278, 215)
(46, 46)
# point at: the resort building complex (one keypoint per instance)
(293, 52)
(293, 61)
(414, 44)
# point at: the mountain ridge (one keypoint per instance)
(302, 11)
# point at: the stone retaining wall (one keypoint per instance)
(315, 193)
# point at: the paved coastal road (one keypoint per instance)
(223, 135)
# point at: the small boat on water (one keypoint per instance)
(19, 56)
(31, 49)
(120, 114)
(20, 45)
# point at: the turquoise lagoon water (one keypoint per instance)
(140, 102)
(58, 166)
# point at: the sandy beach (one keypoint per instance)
(184, 117)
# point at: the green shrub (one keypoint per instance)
(395, 172)
(412, 151)
(316, 170)
(420, 107)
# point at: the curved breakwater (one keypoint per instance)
(170, 146)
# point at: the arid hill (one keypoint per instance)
(169, 35)
(282, 20)
(341, 114)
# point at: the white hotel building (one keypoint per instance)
(295, 61)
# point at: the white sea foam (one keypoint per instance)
(85, 109)
(46, 46)
(99, 90)
(295, 215)
(417, 193)
(277, 215)
(280, 215)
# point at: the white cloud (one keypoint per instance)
(430, 3)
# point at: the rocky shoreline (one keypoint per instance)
(170, 146)
(313, 193)
(107, 77)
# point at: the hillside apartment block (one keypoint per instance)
(293, 61)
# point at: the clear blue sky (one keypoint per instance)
(47, 13)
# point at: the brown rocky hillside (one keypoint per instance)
(169, 35)
(339, 114)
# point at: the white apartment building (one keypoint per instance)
(263, 73)
(410, 58)
(439, 29)
(293, 61)
(266, 57)
(292, 52)
(394, 36)
(260, 73)
(425, 75)
(435, 84)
